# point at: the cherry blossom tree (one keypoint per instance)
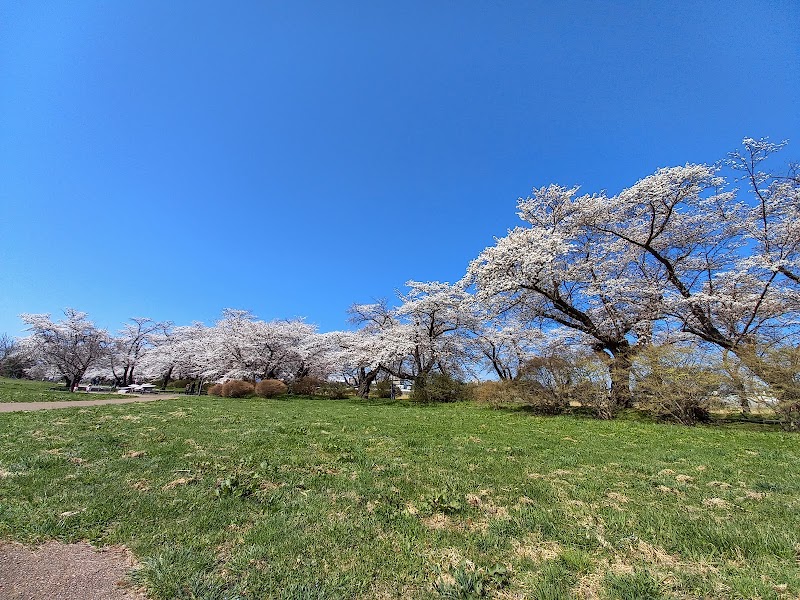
(679, 245)
(431, 315)
(499, 343)
(773, 218)
(176, 353)
(318, 355)
(243, 347)
(421, 334)
(378, 349)
(68, 347)
(355, 356)
(381, 346)
(557, 270)
(131, 343)
(13, 361)
(725, 266)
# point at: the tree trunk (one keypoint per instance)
(619, 358)
(501, 372)
(365, 382)
(167, 378)
(739, 387)
(73, 380)
(741, 393)
(620, 370)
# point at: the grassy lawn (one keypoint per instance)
(19, 390)
(309, 498)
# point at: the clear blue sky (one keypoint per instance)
(170, 159)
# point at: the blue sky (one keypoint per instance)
(171, 159)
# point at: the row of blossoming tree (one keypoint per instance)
(610, 293)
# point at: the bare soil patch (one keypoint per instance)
(57, 571)
(27, 406)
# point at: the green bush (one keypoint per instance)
(438, 387)
(270, 388)
(788, 412)
(335, 390)
(547, 385)
(383, 389)
(178, 384)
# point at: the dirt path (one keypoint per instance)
(16, 406)
(57, 571)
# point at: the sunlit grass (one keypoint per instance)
(311, 498)
(21, 390)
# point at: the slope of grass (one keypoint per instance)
(22, 390)
(340, 499)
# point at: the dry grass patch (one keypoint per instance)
(438, 521)
(716, 503)
(177, 482)
(751, 495)
(589, 587)
(536, 550)
(617, 497)
(141, 485)
(652, 554)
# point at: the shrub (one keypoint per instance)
(548, 384)
(179, 384)
(488, 392)
(304, 386)
(594, 393)
(498, 393)
(438, 387)
(788, 412)
(543, 400)
(673, 384)
(238, 389)
(335, 390)
(383, 389)
(782, 367)
(553, 376)
(270, 388)
(528, 394)
(215, 390)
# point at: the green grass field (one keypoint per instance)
(20, 390)
(309, 498)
